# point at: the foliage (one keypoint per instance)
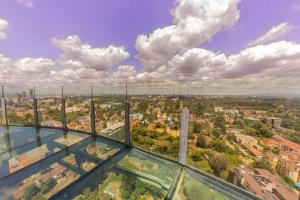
(218, 164)
(219, 145)
(231, 137)
(201, 141)
(264, 163)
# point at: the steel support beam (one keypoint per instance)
(92, 114)
(3, 108)
(36, 113)
(93, 122)
(127, 121)
(63, 110)
(183, 136)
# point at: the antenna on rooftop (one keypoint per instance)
(186, 88)
(92, 92)
(2, 91)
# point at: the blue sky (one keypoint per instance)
(147, 41)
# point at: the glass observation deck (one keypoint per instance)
(49, 163)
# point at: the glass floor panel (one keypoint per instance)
(52, 164)
(197, 187)
(47, 172)
(45, 145)
(132, 175)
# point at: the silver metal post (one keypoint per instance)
(63, 110)
(93, 123)
(4, 110)
(127, 119)
(183, 136)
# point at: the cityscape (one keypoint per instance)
(149, 100)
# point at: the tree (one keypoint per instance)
(218, 164)
(219, 145)
(231, 137)
(217, 132)
(264, 163)
(196, 156)
(201, 141)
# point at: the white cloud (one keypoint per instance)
(274, 33)
(297, 7)
(3, 27)
(25, 70)
(26, 3)
(81, 55)
(34, 65)
(275, 59)
(195, 22)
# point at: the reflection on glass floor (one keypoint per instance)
(71, 165)
(192, 184)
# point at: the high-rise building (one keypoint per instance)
(31, 93)
(24, 96)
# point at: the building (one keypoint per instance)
(287, 145)
(273, 158)
(245, 139)
(105, 106)
(289, 168)
(72, 109)
(271, 121)
(262, 183)
(218, 109)
(231, 112)
(253, 151)
(24, 96)
(136, 116)
(31, 93)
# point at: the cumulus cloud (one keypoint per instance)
(297, 7)
(3, 27)
(81, 55)
(195, 22)
(24, 70)
(34, 65)
(26, 3)
(274, 33)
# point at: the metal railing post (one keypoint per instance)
(127, 120)
(183, 136)
(35, 110)
(93, 123)
(63, 110)
(4, 110)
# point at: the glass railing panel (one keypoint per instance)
(194, 186)
(78, 107)
(15, 137)
(110, 111)
(49, 105)
(19, 104)
(1, 115)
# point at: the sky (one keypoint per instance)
(218, 46)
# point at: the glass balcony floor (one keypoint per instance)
(49, 163)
